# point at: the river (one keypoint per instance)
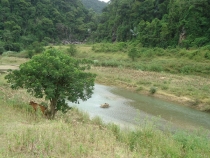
(130, 109)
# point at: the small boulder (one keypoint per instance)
(105, 105)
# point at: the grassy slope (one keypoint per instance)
(23, 134)
(190, 89)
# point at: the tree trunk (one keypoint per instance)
(53, 103)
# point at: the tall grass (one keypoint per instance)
(26, 134)
(74, 135)
(172, 60)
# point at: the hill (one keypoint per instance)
(156, 23)
(48, 21)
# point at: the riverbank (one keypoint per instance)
(169, 87)
(115, 68)
(25, 134)
(176, 75)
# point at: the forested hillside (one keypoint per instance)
(22, 22)
(150, 23)
(159, 23)
(96, 5)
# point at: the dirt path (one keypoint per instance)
(7, 67)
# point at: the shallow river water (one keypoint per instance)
(129, 109)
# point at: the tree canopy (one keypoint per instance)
(95, 5)
(159, 23)
(49, 21)
(56, 77)
(153, 23)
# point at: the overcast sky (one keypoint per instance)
(104, 0)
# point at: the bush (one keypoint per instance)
(16, 47)
(159, 51)
(30, 53)
(121, 46)
(72, 50)
(153, 90)
(2, 50)
(12, 47)
(38, 47)
(46, 41)
(207, 47)
(200, 41)
(207, 55)
(133, 53)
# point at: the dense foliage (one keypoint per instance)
(159, 23)
(56, 77)
(95, 5)
(48, 21)
(149, 23)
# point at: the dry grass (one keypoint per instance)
(4, 60)
(25, 134)
(188, 90)
(59, 138)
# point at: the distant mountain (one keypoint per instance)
(96, 5)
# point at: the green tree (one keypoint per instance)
(72, 50)
(133, 53)
(56, 77)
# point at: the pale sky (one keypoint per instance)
(104, 0)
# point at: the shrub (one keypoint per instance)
(30, 53)
(200, 41)
(153, 90)
(121, 46)
(207, 55)
(38, 47)
(207, 47)
(159, 51)
(133, 53)
(16, 47)
(46, 41)
(72, 50)
(1, 50)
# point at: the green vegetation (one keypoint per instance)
(193, 61)
(72, 50)
(49, 21)
(150, 23)
(156, 23)
(95, 5)
(56, 77)
(132, 53)
(159, 44)
(153, 90)
(73, 134)
(180, 75)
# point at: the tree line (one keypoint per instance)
(156, 23)
(95, 5)
(24, 24)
